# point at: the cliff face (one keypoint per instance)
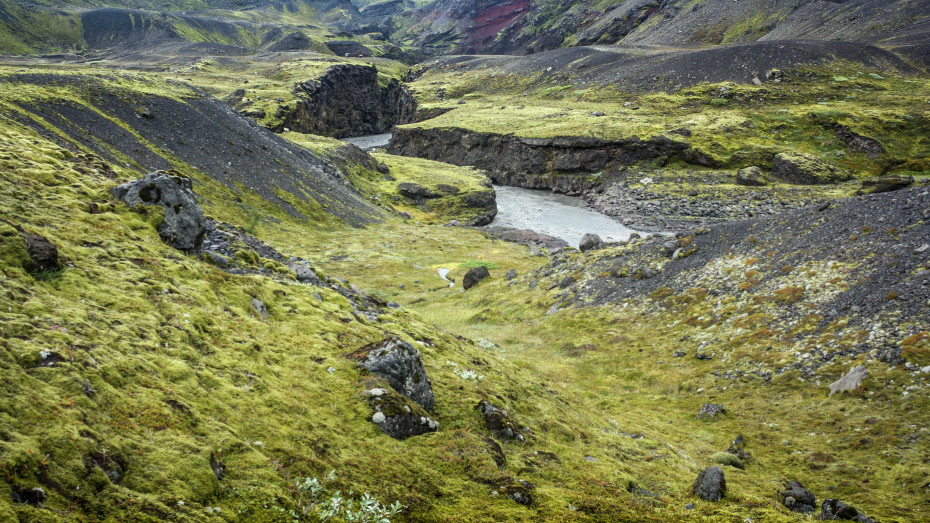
(348, 101)
(562, 164)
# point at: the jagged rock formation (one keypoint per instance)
(347, 101)
(184, 226)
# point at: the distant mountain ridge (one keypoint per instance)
(500, 26)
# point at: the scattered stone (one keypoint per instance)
(710, 410)
(511, 274)
(216, 259)
(219, 468)
(260, 308)
(751, 177)
(31, 496)
(892, 182)
(304, 272)
(474, 275)
(393, 305)
(383, 168)
(399, 363)
(850, 381)
(703, 356)
(589, 241)
(798, 499)
(527, 237)
(806, 169)
(597, 113)
(736, 449)
(689, 506)
(184, 226)
(499, 421)
(922, 249)
(43, 254)
(521, 492)
(678, 354)
(633, 489)
(833, 509)
(710, 485)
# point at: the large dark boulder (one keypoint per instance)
(806, 169)
(751, 177)
(798, 499)
(589, 241)
(710, 485)
(397, 415)
(834, 509)
(43, 254)
(473, 276)
(416, 191)
(184, 226)
(348, 101)
(399, 363)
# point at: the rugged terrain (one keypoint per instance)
(213, 310)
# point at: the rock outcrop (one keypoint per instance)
(534, 163)
(806, 169)
(348, 101)
(397, 415)
(184, 225)
(399, 363)
(850, 381)
(710, 485)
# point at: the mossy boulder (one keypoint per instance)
(752, 177)
(729, 460)
(184, 225)
(399, 363)
(397, 416)
(806, 169)
(892, 182)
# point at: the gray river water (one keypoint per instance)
(564, 217)
(545, 212)
(367, 143)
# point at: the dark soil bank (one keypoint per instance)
(559, 163)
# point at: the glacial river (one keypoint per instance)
(564, 217)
